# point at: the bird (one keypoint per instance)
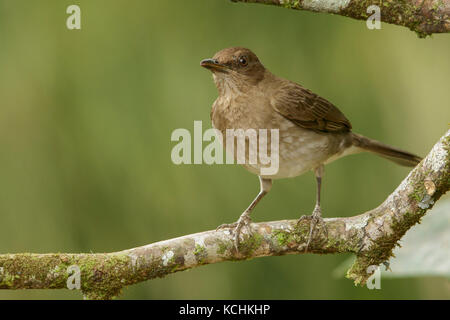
(312, 131)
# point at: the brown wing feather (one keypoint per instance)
(308, 110)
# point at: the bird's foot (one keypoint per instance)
(243, 221)
(316, 218)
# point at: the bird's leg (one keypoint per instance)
(317, 212)
(244, 219)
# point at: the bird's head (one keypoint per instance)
(234, 67)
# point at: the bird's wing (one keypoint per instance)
(308, 110)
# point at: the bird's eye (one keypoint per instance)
(243, 61)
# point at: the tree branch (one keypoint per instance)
(371, 236)
(422, 16)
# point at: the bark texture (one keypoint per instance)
(371, 236)
(425, 17)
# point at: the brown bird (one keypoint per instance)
(311, 130)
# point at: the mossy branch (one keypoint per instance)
(425, 17)
(371, 236)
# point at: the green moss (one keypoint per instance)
(199, 249)
(399, 12)
(18, 268)
(223, 246)
(445, 178)
(337, 245)
(200, 253)
(282, 237)
(250, 244)
(8, 279)
(380, 252)
(382, 249)
(101, 275)
(285, 238)
(300, 233)
(291, 4)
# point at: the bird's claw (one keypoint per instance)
(243, 221)
(316, 218)
(227, 226)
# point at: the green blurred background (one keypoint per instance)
(86, 118)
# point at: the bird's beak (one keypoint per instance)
(213, 65)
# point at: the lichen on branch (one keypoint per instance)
(371, 236)
(424, 17)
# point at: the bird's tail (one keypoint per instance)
(396, 155)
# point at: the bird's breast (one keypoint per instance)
(299, 149)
